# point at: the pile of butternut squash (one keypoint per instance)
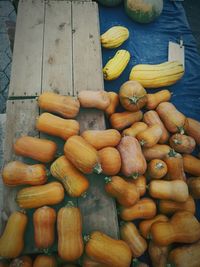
(144, 156)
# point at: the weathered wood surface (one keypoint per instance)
(27, 56)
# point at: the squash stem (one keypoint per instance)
(142, 142)
(97, 168)
(107, 180)
(86, 238)
(177, 142)
(134, 176)
(69, 204)
(84, 195)
(159, 165)
(22, 211)
(45, 251)
(172, 153)
(134, 99)
(136, 262)
(149, 236)
(181, 129)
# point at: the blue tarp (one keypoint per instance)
(149, 44)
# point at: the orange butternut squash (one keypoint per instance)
(12, 239)
(185, 256)
(169, 206)
(74, 182)
(182, 143)
(193, 129)
(145, 208)
(150, 136)
(176, 190)
(69, 227)
(158, 254)
(102, 138)
(173, 119)
(82, 155)
(114, 102)
(18, 173)
(133, 161)
(56, 126)
(194, 186)
(136, 128)
(132, 96)
(40, 195)
(157, 168)
(156, 152)
(94, 99)
(110, 160)
(45, 261)
(32, 147)
(88, 262)
(122, 120)
(145, 226)
(130, 234)
(174, 162)
(116, 254)
(151, 118)
(125, 193)
(65, 106)
(23, 261)
(140, 183)
(191, 164)
(183, 227)
(44, 220)
(153, 100)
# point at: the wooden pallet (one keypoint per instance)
(57, 49)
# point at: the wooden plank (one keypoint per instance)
(27, 55)
(98, 209)
(87, 61)
(57, 57)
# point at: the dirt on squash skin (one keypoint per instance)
(139, 5)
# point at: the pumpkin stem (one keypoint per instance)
(84, 195)
(149, 236)
(134, 176)
(142, 142)
(136, 262)
(159, 165)
(97, 168)
(69, 204)
(46, 251)
(177, 142)
(181, 129)
(108, 180)
(172, 153)
(86, 238)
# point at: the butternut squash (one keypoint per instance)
(125, 193)
(176, 190)
(74, 182)
(40, 195)
(44, 220)
(169, 207)
(110, 160)
(173, 119)
(150, 136)
(65, 106)
(182, 143)
(23, 261)
(32, 147)
(69, 227)
(145, 225)
(82, 155)
(114, 102)
(45, 261)
(133, 161)
(157, 168)
(158, 254)
(194, 186)
(151, 118)
(18, 173)
(88, 262)
(153, 100)
(12, 239)
(193, 129)
(191, 165)
(116, 254)
(140, 183)
(56, 126)
(156, 152)
(119, 121)
(94, 99)
(102, 138)
(183, 227)
(145, 208)
(136, 128)
(130, 234)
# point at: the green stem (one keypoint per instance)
(142, 142)
(84, 195)
(134, 99)
(97, 168)
(69, 204)
(159, 165)
(86, 238)
(136, 262)
(108, 180)
(134, 175)
(177, 142)
(181, 129)
(172, 153)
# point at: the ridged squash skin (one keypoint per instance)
(40, 195)
(19, 173)
(69, 227)
(56, 126)
(143, 11)
(82, 155)
(12, 239)
(116, 254)
(44, 220)
(65, 106)
(45, 261)
(74, 182)
(114, 37)
(155, 76)
(116, 65)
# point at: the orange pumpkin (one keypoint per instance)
(153, 100)
(132, 96)
(18, 173)
(191, 165)
(23, 261)
(156, 152)
(136, 128)
(65, 106)
(94, 99)
(150, 136)
(182, 143)
(44, 220)
(45, 261)
(114, 102)
(39, 149)
(158, 254)
(56, 126)
(74, 182)
(157, 168)
(193, 129)
(82, 155)
(110, 160)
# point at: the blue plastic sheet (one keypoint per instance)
(148, 43)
